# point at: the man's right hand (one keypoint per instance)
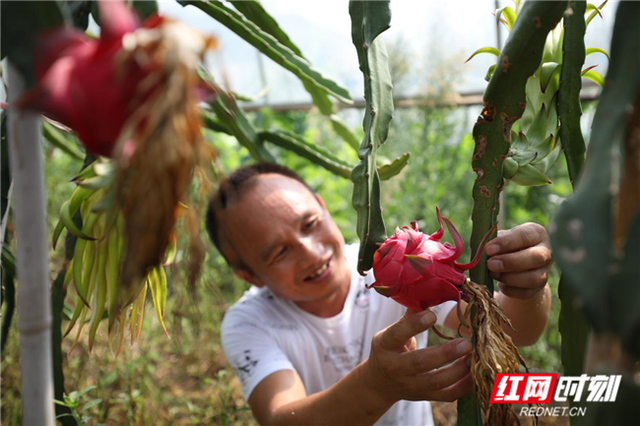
(397, 370)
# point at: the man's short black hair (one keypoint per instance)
(232, 187)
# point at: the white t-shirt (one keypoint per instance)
(262, 334)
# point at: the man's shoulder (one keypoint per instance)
(257, 305)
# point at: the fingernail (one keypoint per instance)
(492, 249)
(495, 265)
(427, 318)
(468, 361)
(463, 346)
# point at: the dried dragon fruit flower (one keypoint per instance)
(132, 96)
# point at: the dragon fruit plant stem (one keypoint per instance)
(571, 323)
(369, 20)
(418, 271)
(504, 103)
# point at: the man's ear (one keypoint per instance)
(248, 277)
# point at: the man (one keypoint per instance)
(311, 345)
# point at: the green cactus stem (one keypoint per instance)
(583, 229)
(571, 323)
(504, 103)
(368, 20)
(569, 108)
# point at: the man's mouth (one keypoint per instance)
(321, 272)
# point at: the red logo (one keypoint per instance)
(523, 388)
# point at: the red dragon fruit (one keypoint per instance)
(80, 82)
(418, 270)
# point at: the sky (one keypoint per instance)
(427, 29)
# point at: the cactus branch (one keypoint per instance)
(504, 103)
(572, 324)
(569, 109)
(370, 19)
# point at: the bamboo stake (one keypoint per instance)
(34, 312)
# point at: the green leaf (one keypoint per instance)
(236, 121)
(491, 50)
(543, 149)
(22, 21)
(58, 140)
(594, 76)
(343, 131)
(536, 132)
(490, 71)
(543, 164)
(87, 172)
(389, 170)
(522, 158)
(550, 72)
(67, 219)
(157, 281)
(79, 195)
(212, 122)
(254, 12)
(595, 11)
(308, 150)
(91, 404)
(75, 395)
(509, 16)
(97, 182)
(270, 46)
(591, 50)
(530, 176)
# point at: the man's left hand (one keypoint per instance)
(520, 259)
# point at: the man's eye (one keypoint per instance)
(310, 224)
(281, 253)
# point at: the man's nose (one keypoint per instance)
(311, 251)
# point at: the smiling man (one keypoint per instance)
(311, 344)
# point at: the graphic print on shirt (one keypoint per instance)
(244, 366)
(344, 358)
(362, 298)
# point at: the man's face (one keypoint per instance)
(286, 236)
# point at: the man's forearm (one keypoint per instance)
(528, 316)
(351, 401)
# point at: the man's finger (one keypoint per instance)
(519, 293)
(520, 237)
(446, 376)
(531, 258)
(536, 278)
(396, 336)
(451, 393)
(428, 359)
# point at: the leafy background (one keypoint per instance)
(185, 379)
